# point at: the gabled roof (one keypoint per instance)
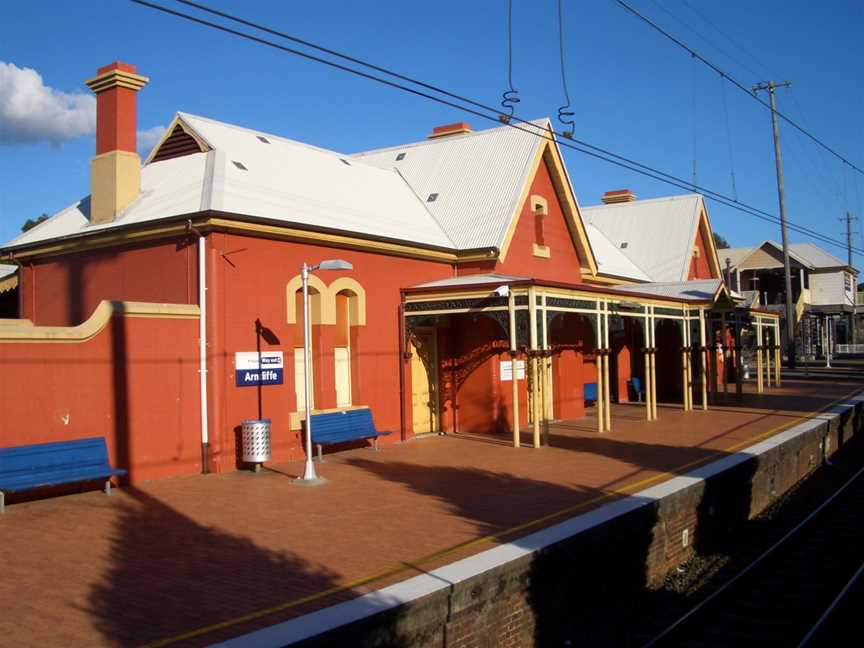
(277, 179)
(656, 235)
(738, 256)
(816, 256)
(478, 181)
(476, 178)
(611, 261)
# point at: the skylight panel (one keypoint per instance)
(239, 165)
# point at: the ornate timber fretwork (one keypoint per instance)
(563, 302)
(476, 303)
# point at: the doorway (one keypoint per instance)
(424, 381)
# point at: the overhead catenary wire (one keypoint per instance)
(521, 124)
(736, 83)
(510, 96)
(728, 136)
(565, 114)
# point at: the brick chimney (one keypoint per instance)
(115, 171)
(459, 128)
(618, 196)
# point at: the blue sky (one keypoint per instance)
(633, 92)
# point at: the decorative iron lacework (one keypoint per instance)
(413, 322)
(626, 308)
(502, 318)
(668, 311)
(521, 300)
(455, 304)
(562, 302)
(589, 318)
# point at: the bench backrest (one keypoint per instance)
(343, 426)
(590, 392)
(46, 457)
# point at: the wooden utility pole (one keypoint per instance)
(849, 218)
(770, 86)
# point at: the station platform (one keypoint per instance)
(197, 560)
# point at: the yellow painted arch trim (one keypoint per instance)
(323, 305)
(357, 301)
(87, 330)
(320, 309)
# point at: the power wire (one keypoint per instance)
(523, 125)
(735, 82)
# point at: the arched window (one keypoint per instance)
(318, 294)
(349, 301)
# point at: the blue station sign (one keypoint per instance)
(252, 368)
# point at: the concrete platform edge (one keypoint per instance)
(445, 578)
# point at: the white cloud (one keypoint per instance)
(148, 138)
(32, 112)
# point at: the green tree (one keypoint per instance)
(720, 242)
(30, 223)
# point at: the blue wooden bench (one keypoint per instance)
(590, 392)
(51, 464)
(637, 387)
(331, 428)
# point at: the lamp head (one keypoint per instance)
(334, 264)
(503, 291)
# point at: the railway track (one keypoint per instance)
(803, 590)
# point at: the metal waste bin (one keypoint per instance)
(256, 441)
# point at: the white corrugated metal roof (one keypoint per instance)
(477, 179)
(7, 270)
(472, 280)
(659, 233)
(697, 290)
(816, 256)
(283, 181)
(611, 260)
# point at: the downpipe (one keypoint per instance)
(202, 345)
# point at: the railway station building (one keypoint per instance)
(482, 297)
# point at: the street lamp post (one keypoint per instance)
(305, 270)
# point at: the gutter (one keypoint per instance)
(202, 344)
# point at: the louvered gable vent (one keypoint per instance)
(178, 144)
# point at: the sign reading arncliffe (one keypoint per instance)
(252, 368)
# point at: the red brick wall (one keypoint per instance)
(700, 268)
(135, 384)
(563, 263)
(65, 290)
(252, 286)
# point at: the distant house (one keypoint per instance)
(823, 287)
(8, 291)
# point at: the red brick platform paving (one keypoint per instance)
(158, 563)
